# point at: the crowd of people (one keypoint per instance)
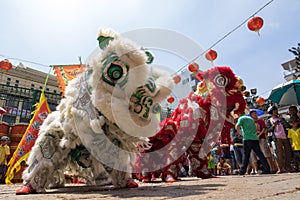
(269, 145)
(260, 145)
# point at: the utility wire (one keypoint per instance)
(213, 45)
(225, 36)
(23, 60)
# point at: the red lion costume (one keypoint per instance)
(194, 127)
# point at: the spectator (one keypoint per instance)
(185, 162)
(225, 150)
(253, 166)
(293, 112)
(294, 136)
(261, 131)
(211, 163)
(223, 168)
(250, 142)
(238, 147)
(272, 147)
(216, 153)
(277, 125)
(233, 161)
(182, 172)
(4, 153)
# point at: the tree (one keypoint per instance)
(296, 52)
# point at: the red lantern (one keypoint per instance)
(255, 24)
(211, 55)
(193, 67)
(170, 99)
(5, 65)
(260, 101)
(177, 79)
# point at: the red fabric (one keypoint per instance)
(194, 117)
(260, 124)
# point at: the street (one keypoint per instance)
(283, 186)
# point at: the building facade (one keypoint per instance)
(20, 90)
(292, 70)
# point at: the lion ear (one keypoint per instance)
(105, 36)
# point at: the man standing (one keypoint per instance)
(277, 125)
(261, 131)
(250, 142)
(4, 153)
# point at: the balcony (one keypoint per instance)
(292, 70)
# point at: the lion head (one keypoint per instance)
(124, 87)
(224, 89)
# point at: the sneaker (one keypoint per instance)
(25, 189)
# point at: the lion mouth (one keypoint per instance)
(141, 101)
(141, 106)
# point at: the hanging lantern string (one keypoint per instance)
(213, 45)
(23, 60)
(225, 36)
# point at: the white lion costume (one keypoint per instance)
(106, 116)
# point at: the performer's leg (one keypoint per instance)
(198, 165)
(120, 178)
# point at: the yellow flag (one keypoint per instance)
(28, 139)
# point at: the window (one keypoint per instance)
(11, 102)
(27, 105)
(26, 110)
(24, 120)
(9, 119)
(52, 104)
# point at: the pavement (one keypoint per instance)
(249, 187)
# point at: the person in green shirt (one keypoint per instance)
(250, 142)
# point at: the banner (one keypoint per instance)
(65, 73)
(28, 139)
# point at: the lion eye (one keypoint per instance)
(221, 81)
(115, 73)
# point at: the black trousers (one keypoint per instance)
(249, 145)
(3, 169)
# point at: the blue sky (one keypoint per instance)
(58, 31)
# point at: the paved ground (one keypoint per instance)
(251, 187)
